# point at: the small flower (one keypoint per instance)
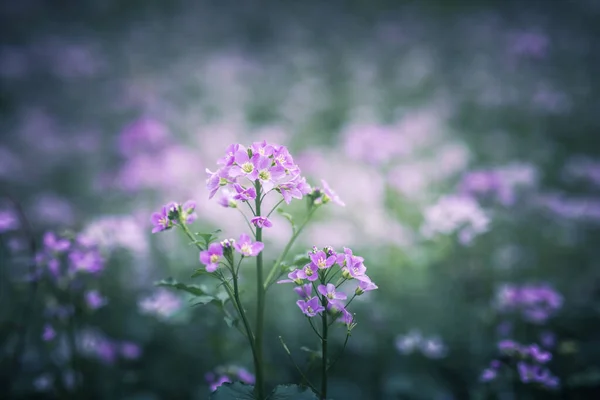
(330, 293)
(329, 195)
(538, 354)
(55, 244)
(508, 347)
(227, 199)
(130, 350)
(246, 248)
(261, 222)
(211, 257)
(161, 220)
(365, 285)
(433, 348)
(488, 374)
(49, 333)
(310, 272)
(94, 299)
(293, 277)
(188, 209)
(244, 194)
(311, 307)
(304, 291)
(321, 260)
(245, 376)
(406, 344)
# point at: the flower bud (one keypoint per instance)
(358, 291)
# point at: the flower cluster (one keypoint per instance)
(223, 375)
(501, 184)
(172, 214)
(95, 344)
(455, 214)
(430, 347)
(529, 361)
(270, 164)
(216, 251)
(320, 270)
(162, 304)
(535, 302)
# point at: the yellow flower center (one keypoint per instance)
(247, 167)
(308, 271)
(214, 258)
(321, 262)
(264, 175)
(246, 250)
(330, 295)
(309, 309)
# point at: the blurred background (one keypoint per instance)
(463, 137)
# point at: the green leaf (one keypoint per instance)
(288, 217)
(209, 237)
(200, 272)
(300, 260)
(231, 322)
(172, 283)
(313, 353)
(292, 392)
(202, 300)
(233, 391)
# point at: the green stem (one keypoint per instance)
(259, 389)
(287, 350)
(324, 349)
(287, 249)
(274, 208)
(247, 222)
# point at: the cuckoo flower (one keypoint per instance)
(311, 307)
(329, 195)
(245, 247)
(365, 285)
(321, 260)
(293, 277)
(94, 299)
(261, 222)
(161, 220)
(227, 199)
(55, 244)
(304, 291)
(330, 293)
(244, 194)
(211, 257)
(310, 272)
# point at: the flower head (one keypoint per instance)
(304, 291)
(211, 257)
(329, 195)
(261, 222)
(245, 247)
(330, 293)
(49, 333)
(94, 299)
(311, 307)
(321, 260)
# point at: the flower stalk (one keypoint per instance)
(260, 306)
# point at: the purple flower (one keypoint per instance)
(406, 344)
(227, 199)
(330, 293)
(49, 333)
(304, 291)
(221, 380)
(130, 350)
(245, 247)
(188, 209)
(538, 354)
(162, 304)
(365, 285)
(244, 194)
(229, 157)
(321, 260)
(8, 221)
(161, 220)
(433, 348)
(329, 195)
(211, 257)
(94, 299)
(355, 269)
(488, 374)
(310, 272)
(86, 260)
(311, 307)
(548, 339)
(262, 148)
(244, 165)
(346, 317)
(508, 347)
(55, 244)
(245, 376)
(261, 222)
(268, 174)
(293, 277)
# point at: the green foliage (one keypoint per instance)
(208, 238)
(288, 217)
(191, 289)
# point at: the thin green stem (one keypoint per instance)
(274, 208)
(324, 349)
(287, 249)
(260, 305)
(287, 350)
(247, 222)
(341, 352)
(313, 328)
